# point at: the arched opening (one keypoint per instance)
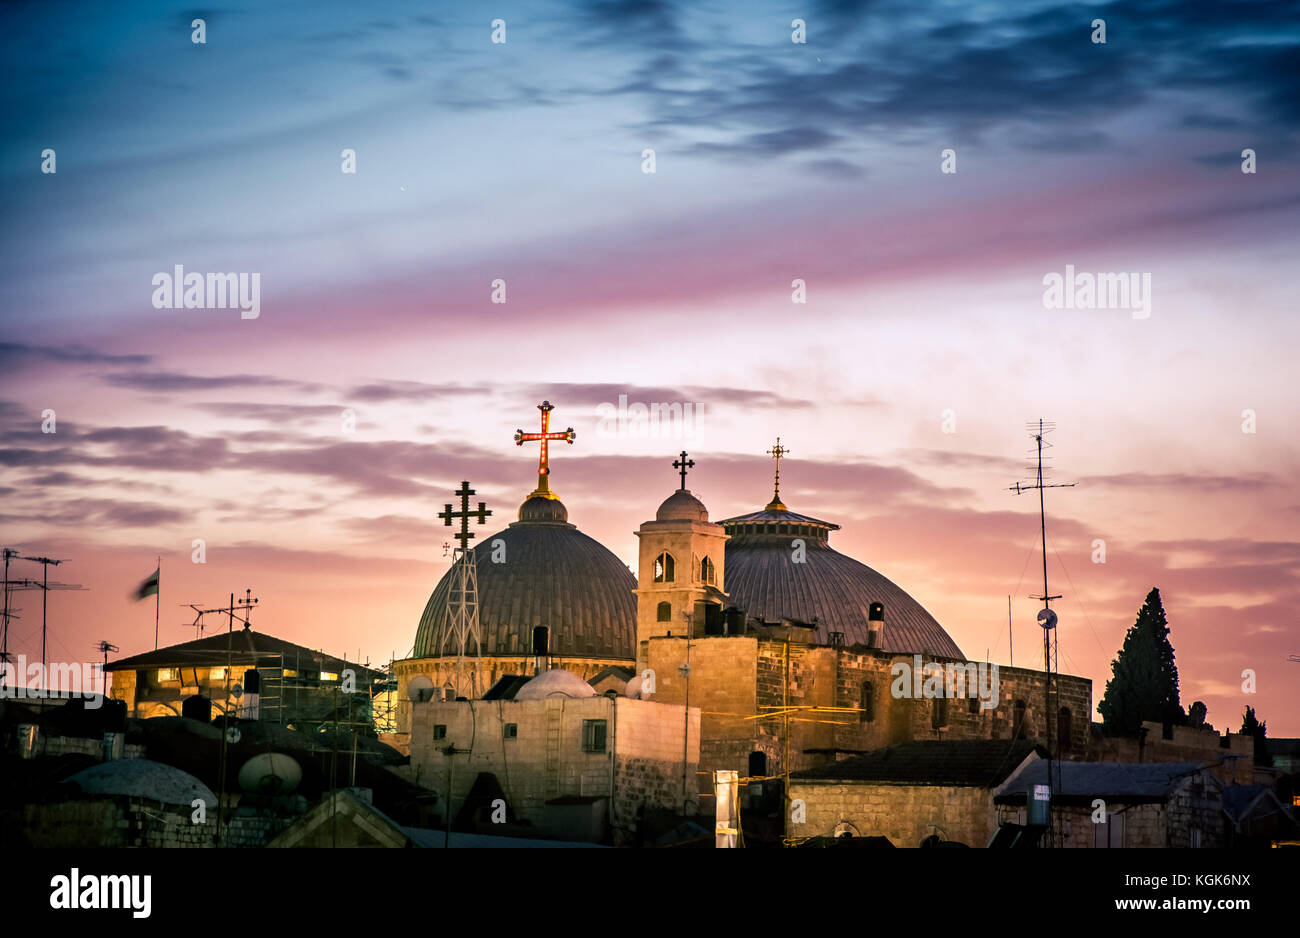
(664, 568)
(664, 612)
(707, 573)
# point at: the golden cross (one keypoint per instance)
(776, 452)
(543, 464)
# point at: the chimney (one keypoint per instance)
(875, 624)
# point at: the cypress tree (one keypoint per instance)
(1144, 685)
(1251, 726)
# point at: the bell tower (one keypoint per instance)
(680, 576)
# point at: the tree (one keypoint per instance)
(1251, 726)
(1144, 685)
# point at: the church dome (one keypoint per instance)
(555, 683)
(682, 506)
(835, 589)
(143, 778)
(548, 574)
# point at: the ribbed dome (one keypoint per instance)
(837, 590)
(143, 778)
(682, 506)
(555, 683)
(553, 575)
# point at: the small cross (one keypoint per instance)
(464, 535)
(776, 452)
(683, 464)
(543, 462)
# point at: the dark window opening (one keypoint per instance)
(664, 612)
(510, 731)
(939, 713)
(664, 564)
(440, 731)
(593, 735)
(1063, 729)
(757, 764)
(1018, 727)
(866, 704)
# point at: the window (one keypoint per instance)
(1018, 726)
(939, 713)
(866, 704)
(757, 764)
(216, 674)
(707, 573)
(974, 706)
(329, 676)
(664, 565)
(510, 731)
(593, 735)
(168, 674)
(664, 612)
(289, 672)
(440, 731)
(1063, 730)
(1110, 834)
(1195, 837)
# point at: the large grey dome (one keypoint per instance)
(837, 590)
(553, 575)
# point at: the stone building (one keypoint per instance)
(1164, 804)
(299, 687)
(557, 757)
(940, 791)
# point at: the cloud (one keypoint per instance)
(174, 381)
(384, 391)
(15, 355)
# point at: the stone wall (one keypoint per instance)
(641, 765)
(906, 814)
(133, 822)
(1233, 765)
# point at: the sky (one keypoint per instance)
(310, 448)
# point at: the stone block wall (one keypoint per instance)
(906, 814)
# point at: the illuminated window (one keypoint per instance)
(168, 674)
(217, 674)
(664, 572)
(664, 612)
(290, 672)
(329, 676)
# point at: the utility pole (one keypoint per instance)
(1046, 617)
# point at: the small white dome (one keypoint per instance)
(682, 506)
(633, 689)
(555, 683)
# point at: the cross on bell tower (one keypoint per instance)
(682, 465)
(464, 535)
(543, 463)
(776, 452)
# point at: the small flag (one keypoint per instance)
(149, 587)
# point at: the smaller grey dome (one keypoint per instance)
(538, 509)
(143, 778)
(555, 683)
(682, 506)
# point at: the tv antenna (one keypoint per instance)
(1046, 616)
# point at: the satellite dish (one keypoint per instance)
(1047, 618)
(236, 691)
(420, 690)
(270, 773)
(233, 735)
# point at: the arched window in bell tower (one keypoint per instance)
(664, 564)
(707, 572)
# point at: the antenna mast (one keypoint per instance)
(1046, 617)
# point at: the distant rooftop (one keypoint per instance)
(243, 647)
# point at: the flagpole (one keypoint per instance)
(157, 601)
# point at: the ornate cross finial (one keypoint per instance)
(776, 452)
(464, 535)
(543, 464)
(682, 465)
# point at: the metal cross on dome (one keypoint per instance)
(543, 463)
(682, 465)
(464, 535)
(776, 452)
